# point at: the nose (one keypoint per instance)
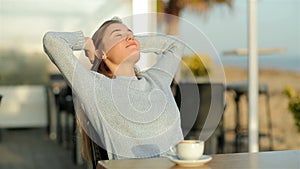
(129, 37)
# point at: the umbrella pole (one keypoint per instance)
(253, 77)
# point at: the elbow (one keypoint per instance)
(48, 37)
(48, 41)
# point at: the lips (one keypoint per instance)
(131, 44)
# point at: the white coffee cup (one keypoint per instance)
(190, 149)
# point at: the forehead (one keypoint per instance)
(116, 26)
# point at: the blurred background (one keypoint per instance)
(32, 132)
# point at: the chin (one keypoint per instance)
(134, 56)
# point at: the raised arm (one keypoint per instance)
(169, 51)
(59, 46)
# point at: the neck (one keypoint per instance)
(124, 70)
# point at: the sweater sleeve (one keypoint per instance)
(169, 51)
(59, 46)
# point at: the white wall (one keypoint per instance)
(23, 106)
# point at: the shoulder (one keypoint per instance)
(156, 75)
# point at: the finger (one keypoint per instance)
(90, 56)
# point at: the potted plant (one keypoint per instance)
(294, 104)
(195, 67)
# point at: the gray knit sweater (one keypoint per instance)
(132, 117)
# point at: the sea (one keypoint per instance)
(276, 62)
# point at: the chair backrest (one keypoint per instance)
(65, 100)
(201, 107)
(98, 153)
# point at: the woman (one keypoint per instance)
(133, 113)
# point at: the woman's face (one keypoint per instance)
(120, 45)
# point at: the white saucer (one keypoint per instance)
(190, 163)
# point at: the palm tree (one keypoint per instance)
(174, 7)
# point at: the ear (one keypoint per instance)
(104, 56)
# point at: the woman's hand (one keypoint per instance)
(89, 49)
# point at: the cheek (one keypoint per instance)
(119, 52)
(110, 45)
(138, 43)
(116, 54)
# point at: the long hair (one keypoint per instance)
(99, 45)
(102, 68)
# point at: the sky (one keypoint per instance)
(23, 23)
(278, 25)
(26, 21)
